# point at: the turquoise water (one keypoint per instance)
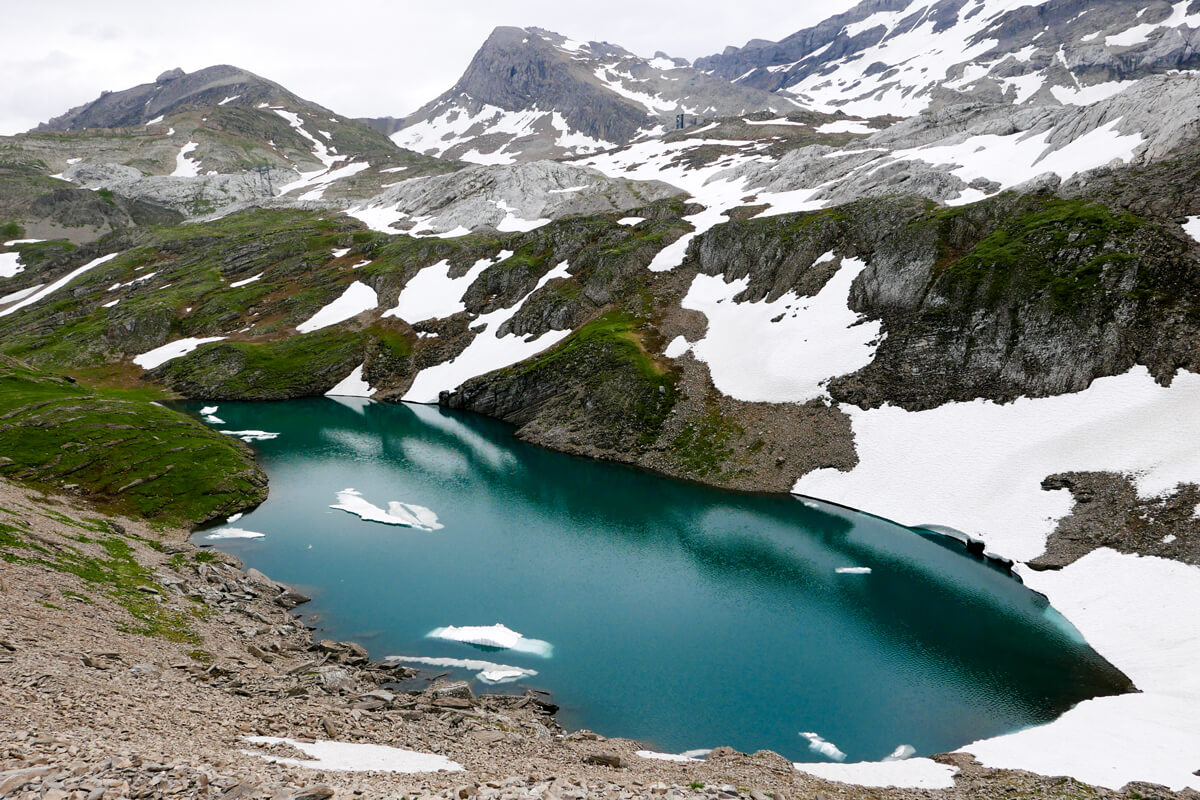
(679, 615)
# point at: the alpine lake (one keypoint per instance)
(659, 610)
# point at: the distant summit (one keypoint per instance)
(530, 93)
(172, 91)
(900, 57)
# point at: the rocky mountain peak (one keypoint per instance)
(172, 91)
(900, 57)
(530, 93)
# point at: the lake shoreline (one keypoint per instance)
(135, 707)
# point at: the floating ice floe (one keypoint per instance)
(487, 671)
(234, 533)
(495, 636)
(397, 513)
(853, 570)
(181, 347)
(251, 436)
(209, 410)
(234, 517)
(819, 745)
(355, 757)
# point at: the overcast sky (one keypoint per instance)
(358, 57)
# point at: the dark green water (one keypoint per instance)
(678, 615)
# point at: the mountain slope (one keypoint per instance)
(902, 56)
(531, 93)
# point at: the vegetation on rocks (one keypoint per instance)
(121, 450)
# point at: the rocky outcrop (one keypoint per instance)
(509, 197)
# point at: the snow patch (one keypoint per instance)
(915, 773)
(979, 465)
(58, 284)
(799, 342)
(1137, 612)
(247, 281)
(357, 298)
(10, 264)
(1192, 228)
(180, 347)
(355, 757)
(184, 166)
(353, 385)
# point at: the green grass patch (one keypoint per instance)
(131, 456)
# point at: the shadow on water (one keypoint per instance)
(681, 615)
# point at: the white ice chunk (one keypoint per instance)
(497, 636)
(819, 745)
(180, 347)
(209, 409)
(853, 570)
(356, 757)
(489, 671)
(234, 533)
(252, 435)
(357, 298)
(397, 513)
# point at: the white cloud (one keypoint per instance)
(367, 58)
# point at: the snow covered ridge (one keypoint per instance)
(985, 48)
